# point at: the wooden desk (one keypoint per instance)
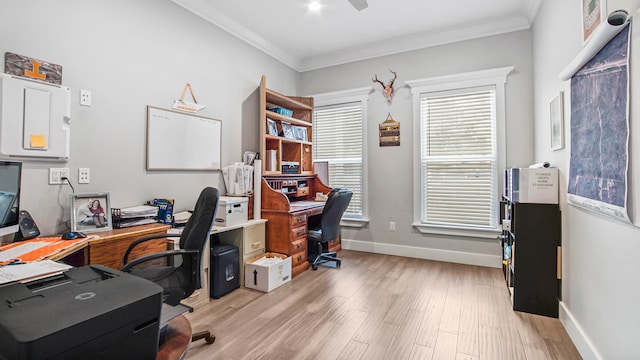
(109, 247)
(287, 212)
(55, 250)
(105, 248)
(176, 341)
(248, 237)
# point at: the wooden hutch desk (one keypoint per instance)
(287, 204)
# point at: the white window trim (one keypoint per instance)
(496, 77)
(349, 96)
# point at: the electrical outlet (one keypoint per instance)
(64, 173)
(85, 97)
(83, 176)
(56, 175)
(392, 226)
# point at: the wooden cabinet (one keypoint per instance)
(285, 139)
(109, 248)
(531, 248)
(289, 212)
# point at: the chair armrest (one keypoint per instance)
(158, 255)
(141, 240)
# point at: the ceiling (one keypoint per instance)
(338, 33)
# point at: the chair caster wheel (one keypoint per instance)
(338, 263)
(210, 339)
(314, 267)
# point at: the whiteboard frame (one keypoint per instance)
(154, 162)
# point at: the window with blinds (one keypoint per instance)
(338, 140)
(458, 155)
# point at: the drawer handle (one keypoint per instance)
(299, 245)
(299, 218)
(255, 244)
(300, 232)
(299, 257)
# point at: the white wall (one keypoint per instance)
(600, 287)
(390, 169)
(131, 54)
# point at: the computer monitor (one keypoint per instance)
(10, 176)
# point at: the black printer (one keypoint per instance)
(90, 312)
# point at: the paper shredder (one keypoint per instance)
(225, 270)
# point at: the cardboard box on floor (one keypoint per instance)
(267, 277)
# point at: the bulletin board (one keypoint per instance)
(182, 141)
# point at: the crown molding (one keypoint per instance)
(366, 51)
(225, 23)
(416, 42)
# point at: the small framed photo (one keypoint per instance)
(287, 130)
(272, 128)
(300, 133)
(593, 13)
(90, 212)
(556, 118)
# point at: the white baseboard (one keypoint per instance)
(460, 257)
(578, 336)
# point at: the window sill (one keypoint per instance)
(457, 231)
(354, 223)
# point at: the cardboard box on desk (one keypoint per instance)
(266, 277)
(232, 211)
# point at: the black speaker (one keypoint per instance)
(28, 227)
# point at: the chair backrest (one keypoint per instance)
(196, 231)
(336, 204)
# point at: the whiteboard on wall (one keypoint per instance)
(182, 141)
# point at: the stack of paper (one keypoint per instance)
(137, 215)
(139, 211)
(31, 271)
(181, 218)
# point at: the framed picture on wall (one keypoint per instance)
(90, 212)
(593, 13)
(556, 122)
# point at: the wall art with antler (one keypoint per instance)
(388, 88)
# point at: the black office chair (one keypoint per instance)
(329, 229)
(181, 280)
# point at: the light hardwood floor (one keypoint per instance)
(380, 307)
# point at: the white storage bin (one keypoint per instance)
(267, 272)
(232, 211)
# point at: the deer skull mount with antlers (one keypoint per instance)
(388, 89)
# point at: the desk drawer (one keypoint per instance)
(298, 245)
(297, 220)
(297, 232)
(253, 238)
(298, 258)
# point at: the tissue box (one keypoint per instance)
(232, 211)
(267, 272)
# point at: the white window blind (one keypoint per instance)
(459, 157)
(337, 139)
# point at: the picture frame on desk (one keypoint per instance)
(91, 212)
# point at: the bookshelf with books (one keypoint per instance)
(285, 133)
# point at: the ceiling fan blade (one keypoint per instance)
(359, 4)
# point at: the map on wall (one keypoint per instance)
(600, 131)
